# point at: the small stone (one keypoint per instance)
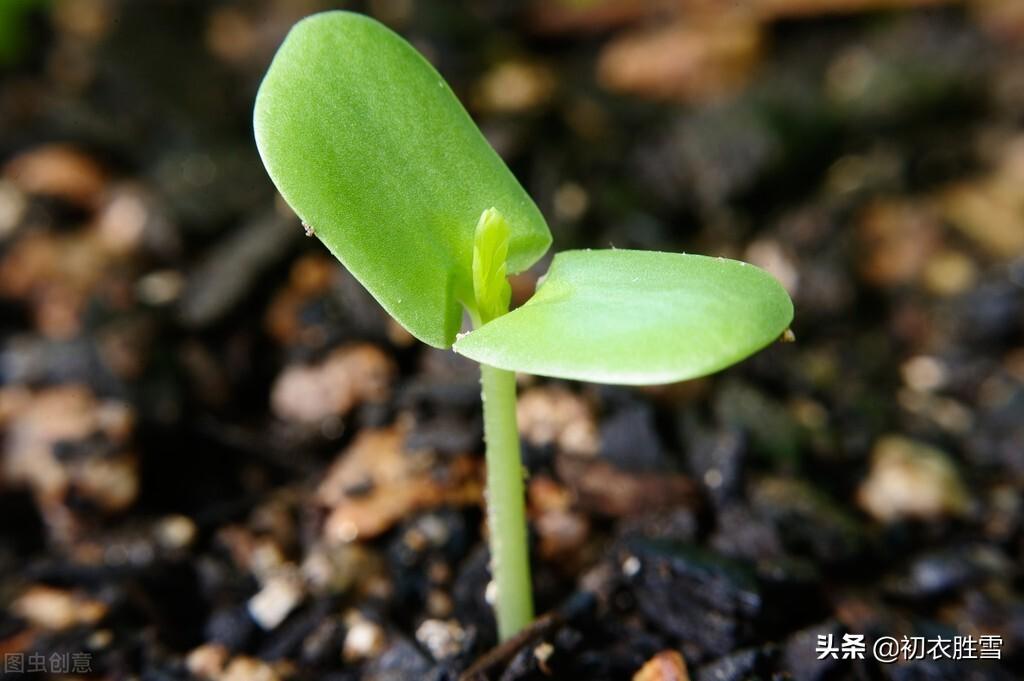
(990, 210)
(54, 609)
(949, 273)
(176, 532)
(12, 208)
(924, 373)
(542, 653)
(898, 237)
(554, 416)
(668, 665)
(276, 600)
(441, 638)
(562, 534)
(207, 661)
(514, 86)
(243, 668)
(364, 639)
(439, 603)
(769, 255)
(910, 479)
(160, 287)
(334, 568)
(570, 202)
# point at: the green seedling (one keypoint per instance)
(373, 151)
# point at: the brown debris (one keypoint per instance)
(60, 171)
(349, 376)
(514, 86)
(36, 424)
(53, 609)
(602, 488)
(553, 415)
(910, 479)
(562, 531)
(898, 238)
(311, 275)
(57, 274)
(208, 660)
(374, 483)
(668, 665)
(990, 210)
(364, 640)
(547, 16)
(777, 9)
(686, 61)
(1002, 19)
(244, 668)
(335, 568)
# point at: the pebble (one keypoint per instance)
(207, 660)
(988, 210)
(514, 86)
(910, 479)
(175, 532)
(441, 638)
(280, 595)
(364, 638)
(899, 238)
(244, 668)
(54, 609)
(561, 530)
(12, 208)
(554, 416)
(668, 665)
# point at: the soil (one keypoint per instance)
(221, 460)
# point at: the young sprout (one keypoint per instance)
(370, 147)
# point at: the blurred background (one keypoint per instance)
(221, 460)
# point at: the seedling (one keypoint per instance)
(370, 147)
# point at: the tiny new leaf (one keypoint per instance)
(370, 147)
(635, 317)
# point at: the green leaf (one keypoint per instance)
(636, 317)
(371, 148)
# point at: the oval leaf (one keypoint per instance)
(636, 317)
(371, 148)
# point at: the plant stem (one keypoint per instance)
(506, 515)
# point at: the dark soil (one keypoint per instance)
(221, 460)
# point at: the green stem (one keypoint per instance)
(506, 514)
(506, 505)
